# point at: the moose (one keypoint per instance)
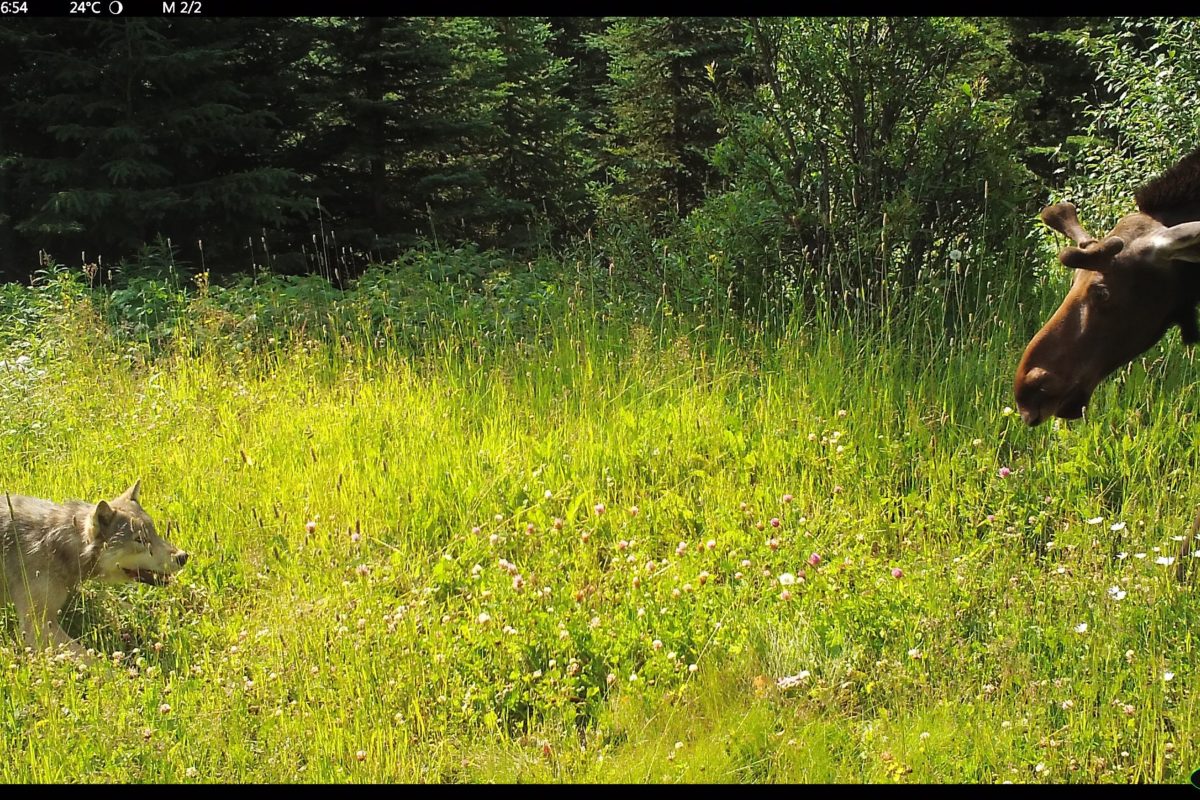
(1129, 289)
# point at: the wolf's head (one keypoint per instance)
(130, 547)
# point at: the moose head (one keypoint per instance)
(1130, 287)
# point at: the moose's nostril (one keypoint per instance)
(181, 558)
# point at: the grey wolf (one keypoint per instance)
(47, 549)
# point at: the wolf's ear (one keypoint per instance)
(132, 492)
(102, 520)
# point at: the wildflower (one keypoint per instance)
(484, 618)
(814, 559)
(1095, 520)
(622, 545)
(914, 653)
(775, 522)
(897, 572)
(1122, 555)
(1081, 627)
(1166, 561)
(1117, 526)
(549, 495)
(354, 537)
(558, 523)
(599, 509)
(746, 563)
(1067, 704)
(991, 517)
(976, 442)
(692, 668)
(787, 498)
(637, 582)
(711, 544)
(1128, 709)
(657, 644)
(165, 708)
(493, 539)
(785, 595)
(475, 531)
(610, 679)
(529, 529)
(584, 536)
(1116, 593)
(924, 735)
(361, 755)
(518, 582)
(191, 772)
(772, 543)
(634, 511)
(1007, 411)
(498, 518)
(1168, 676)
(363, 570)
(1005, 472)
(310, 526)
(680, 548)
(703, 577)
(788, 681)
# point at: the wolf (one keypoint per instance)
(47, 549)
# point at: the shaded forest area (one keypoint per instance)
(742, 155)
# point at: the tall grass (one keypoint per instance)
(549, 542)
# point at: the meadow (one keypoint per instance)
(571, 540)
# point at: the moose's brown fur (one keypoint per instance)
(1130, 287)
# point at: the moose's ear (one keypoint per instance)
(1177, 243)
(132, 492)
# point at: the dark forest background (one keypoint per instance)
(843, 157)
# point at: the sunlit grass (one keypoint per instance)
(461, 609)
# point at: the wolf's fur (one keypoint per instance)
(47, 548)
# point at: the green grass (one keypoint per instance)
(389, 644)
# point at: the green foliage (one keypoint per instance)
(883, 150)
(662, 122)
(1143, 123)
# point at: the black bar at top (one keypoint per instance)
(14, 10)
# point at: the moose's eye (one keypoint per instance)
(1098, 293)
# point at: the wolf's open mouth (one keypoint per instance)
(147, 576)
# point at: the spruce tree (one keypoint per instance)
(151, 132)
(663, 123)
